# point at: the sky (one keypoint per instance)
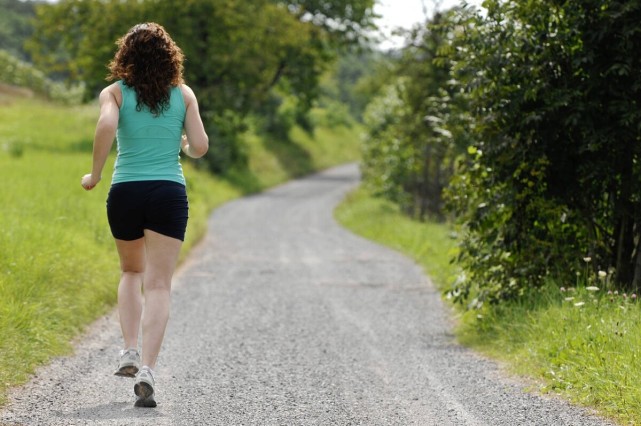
(406, 13)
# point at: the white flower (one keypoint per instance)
(587, 259)
(578, 304)
(602, 274)
(568, 299)
(592, 288)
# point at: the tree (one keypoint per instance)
(237, 52)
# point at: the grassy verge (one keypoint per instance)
(58, 266)
(581, 342)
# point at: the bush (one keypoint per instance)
(553, 175)
(18, 73)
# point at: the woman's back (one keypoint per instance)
(149, 144)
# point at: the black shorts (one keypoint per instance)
(158, 205)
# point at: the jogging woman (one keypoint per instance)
(147, 109)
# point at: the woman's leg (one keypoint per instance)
(132, 266)
(162, 255)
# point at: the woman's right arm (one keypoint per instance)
(197, 141)
(104, 136)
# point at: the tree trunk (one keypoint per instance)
(636, 282)
(624, 214)
(624, 252)
(624, 211)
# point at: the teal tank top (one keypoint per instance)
(148, 145)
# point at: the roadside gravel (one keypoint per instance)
(281, 317)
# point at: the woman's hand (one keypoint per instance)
(89, 182)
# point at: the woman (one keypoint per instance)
(147, 109)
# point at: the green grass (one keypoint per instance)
(58, 266)
(584, 345)
(56, 270)
(33, 124)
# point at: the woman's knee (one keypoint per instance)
(156, 284)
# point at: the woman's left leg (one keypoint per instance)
(132, 266)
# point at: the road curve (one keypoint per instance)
(281, 317)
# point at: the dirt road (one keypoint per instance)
(281, 317)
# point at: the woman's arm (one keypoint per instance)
(104, 136)
(196, 142)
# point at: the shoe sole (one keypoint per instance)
(128, 371)
(145, 394)
(145, 402)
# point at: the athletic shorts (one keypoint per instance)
(158, 205)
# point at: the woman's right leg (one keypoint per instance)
(132, 266)
(162, 255)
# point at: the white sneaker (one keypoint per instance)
(144, 388)
(129, 363)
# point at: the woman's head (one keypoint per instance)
(148, 60)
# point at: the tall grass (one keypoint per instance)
(58, 265)
(57, 269)
(579, 340)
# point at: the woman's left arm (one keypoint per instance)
(104, 137)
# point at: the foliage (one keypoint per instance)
(15, 26)
(356, 77)
(416, 126)
(384, 156)
(552, 176)
(526, 119)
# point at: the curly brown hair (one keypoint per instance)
(149, 61)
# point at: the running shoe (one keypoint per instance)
(144, 388)
(129, 363)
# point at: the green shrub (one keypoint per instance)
(18, 73)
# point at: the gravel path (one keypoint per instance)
(281, 317)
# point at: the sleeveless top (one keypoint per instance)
(148, 145)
